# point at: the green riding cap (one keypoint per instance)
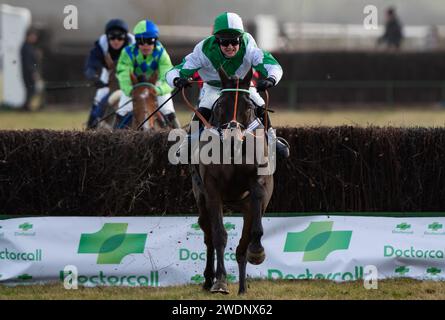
(146, 29)
(228, 22)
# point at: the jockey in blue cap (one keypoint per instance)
(143, 59)
(109, 45)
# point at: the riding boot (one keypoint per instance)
(123, 122)
(162, 121)
(93, 117)
(192, 137)
(281, 144)
(172, 121)
(283, 147)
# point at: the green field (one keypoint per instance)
(58, 119)
(265, 290)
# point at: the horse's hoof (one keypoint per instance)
(207, 286)
(242, 292)
(220, 287)
(256, 258)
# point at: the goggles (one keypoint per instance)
(143, 41)
(227, 42)
(116, 36)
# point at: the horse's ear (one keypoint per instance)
(223, 76)
(247, 78)
(154, 77)
(133, 78)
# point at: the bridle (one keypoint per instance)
(233, 124)
(143, 84)
(144, 95)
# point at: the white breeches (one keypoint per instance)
(210, 94)
(102, 92)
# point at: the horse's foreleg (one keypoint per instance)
(209, 272)
(255, 250)
(219, 239)
(241, 250)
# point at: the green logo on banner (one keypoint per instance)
(435, 226)
(317, 241)
(112, 243)
(403, 226)
(229, 226)
(433, 271)
(197, 278)
(401, 270)
(24, 277)
(231, 278)
(25, 226)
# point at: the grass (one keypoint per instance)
(58, 119)
(393, 289)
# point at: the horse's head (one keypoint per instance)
(234, 109)
(144, 97)
(142, 86)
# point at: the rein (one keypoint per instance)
(143, 84)
(237, 90)
(195, 110)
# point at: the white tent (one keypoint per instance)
(14, 23)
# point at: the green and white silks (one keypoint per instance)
(207, 57)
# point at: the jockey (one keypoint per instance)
(236, 50)
(143, 59)
(116, 38)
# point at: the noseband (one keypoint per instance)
(143, 84)
(233, 124)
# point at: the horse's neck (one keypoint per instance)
(112, 80)
(228, 110)
(109, 62)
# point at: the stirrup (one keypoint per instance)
(283, 148)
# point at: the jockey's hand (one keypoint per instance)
(181, 83)
(99, 84)
(265, 84)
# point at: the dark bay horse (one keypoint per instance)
(237, 186)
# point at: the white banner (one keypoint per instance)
(164, 251)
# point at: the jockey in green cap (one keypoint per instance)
(236, 50)
(143, 59)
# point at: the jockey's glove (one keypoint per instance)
(99, 84)
(181, 83)
(265, 84)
